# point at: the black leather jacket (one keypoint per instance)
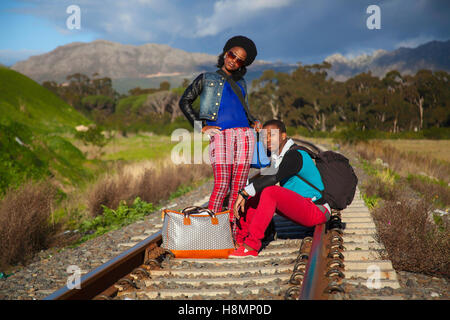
(210, 95)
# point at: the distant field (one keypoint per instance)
(136, 147)
(438, 149)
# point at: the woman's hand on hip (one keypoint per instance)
(210, 130)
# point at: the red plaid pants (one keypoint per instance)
(230, 153)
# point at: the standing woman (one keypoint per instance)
(225, 119)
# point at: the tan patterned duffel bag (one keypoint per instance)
(197, 232)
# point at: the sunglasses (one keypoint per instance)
(238, 61)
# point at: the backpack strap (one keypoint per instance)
(308, 145)
(309, 183)
(312, 155)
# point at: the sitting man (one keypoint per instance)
(294, 199)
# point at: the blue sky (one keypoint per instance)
(291, 31)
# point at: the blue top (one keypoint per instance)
(231, 111)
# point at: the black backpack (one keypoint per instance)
(338, 177)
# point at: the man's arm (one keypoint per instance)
(290, 165)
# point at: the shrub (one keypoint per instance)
(437, 133)
(92, 136)
(114, 219)
(376, 188)
(25, 221)
(414, 238)
(413, 241)
(353, 135)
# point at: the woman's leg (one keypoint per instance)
(243, 143)
(286, 203)
(222, 165)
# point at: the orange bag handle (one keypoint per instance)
(186, 213)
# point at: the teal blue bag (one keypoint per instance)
(260, 158)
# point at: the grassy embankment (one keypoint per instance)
(32, 124)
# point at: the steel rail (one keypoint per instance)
(314, 281)
(311, 285)
(107, 274)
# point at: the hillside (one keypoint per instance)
(25, 101)
(32, 124)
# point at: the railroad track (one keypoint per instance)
(322, 265)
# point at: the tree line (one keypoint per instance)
(394, 103)
(140, 109)
(306, 98)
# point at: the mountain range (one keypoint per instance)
(147, 65)
(434, 55)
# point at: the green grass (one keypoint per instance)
(25, 101)
(32, 124)
(370, 201)
(115, 219)
(138, 147)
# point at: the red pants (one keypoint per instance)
(230, 153)
(261, 208)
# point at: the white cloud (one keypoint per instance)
(228, 13)
(414, 42)
(126, 21)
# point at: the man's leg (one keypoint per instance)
(243, 224)
(286, 203)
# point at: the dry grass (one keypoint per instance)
(376, 187)
(151, 182)
(437, 149)
(431, 191)
(25, 222)
(404, 163)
